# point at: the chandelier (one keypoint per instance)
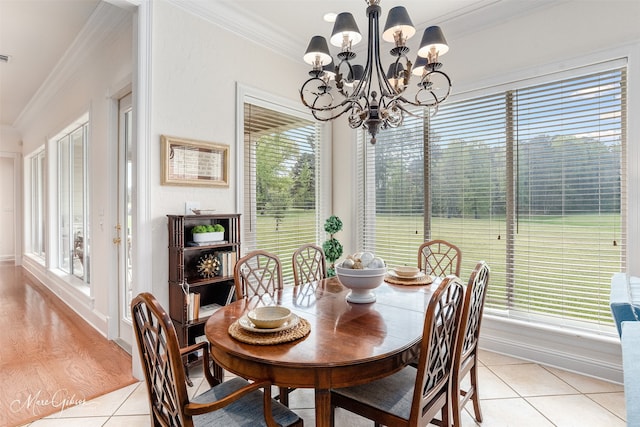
(372, 98)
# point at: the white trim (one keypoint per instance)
(245, 93)
(104, 23)
(71, 295)
(583, 353)
(142, 102)
(238, 20)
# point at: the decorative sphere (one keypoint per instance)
(377, 262)
(366, 258)
(361, 282)
(347, 263)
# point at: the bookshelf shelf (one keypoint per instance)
(199, 275)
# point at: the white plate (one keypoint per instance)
(394, 274)
(247, 325)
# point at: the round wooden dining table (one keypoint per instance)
(348, 344)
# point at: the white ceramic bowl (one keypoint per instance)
(406, 271)
(269, 317)
(361, 282)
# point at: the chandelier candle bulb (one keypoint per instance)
(371, 98)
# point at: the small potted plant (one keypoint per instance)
(208, 233)
(332, 248)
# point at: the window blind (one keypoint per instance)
(391, 204)
(530, 180)
(281, 153)
(568, 224)
(467, 173)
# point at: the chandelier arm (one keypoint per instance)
(440, 100)
(312, 107)
(436, 99)
(327, 119)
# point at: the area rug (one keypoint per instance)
(50, 358)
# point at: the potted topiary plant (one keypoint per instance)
(208, 233)
(332, 248)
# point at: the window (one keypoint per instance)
(73, 218)
(528, 179)
(38, 188)
(281, 185)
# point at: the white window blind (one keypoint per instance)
(530, 180)
(391, 205)
(568, 223)
(282, 160)
(468, 181)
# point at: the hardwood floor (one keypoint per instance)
(50, 358)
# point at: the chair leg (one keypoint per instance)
(446, 415)
(284, 396)
(456, 408)
(475, 397)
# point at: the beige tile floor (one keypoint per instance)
(513, 393)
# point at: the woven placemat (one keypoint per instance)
(424, 280)
(300, 330)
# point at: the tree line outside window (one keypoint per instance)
(528, 179)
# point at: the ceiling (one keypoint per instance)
(37, 33)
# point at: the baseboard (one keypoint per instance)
(585, 354)
(76, 300)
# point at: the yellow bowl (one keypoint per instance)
(405, 271)
(269, 317)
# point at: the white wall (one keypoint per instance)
(196, 66)
(10, 140)
(98, 65)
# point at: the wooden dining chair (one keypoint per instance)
(439, 258)
(465, 359)
(257, 273)
(309, 264)
(236, 402)
(415, 396)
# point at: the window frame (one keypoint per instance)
(247, 94)
(37, 167)
(503, 89)
(56, 239)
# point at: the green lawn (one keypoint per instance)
(577, 254)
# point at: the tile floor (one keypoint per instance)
(513, 393)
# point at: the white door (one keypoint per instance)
(7, 208)
(123, 230)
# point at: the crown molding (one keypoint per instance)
(104, 25)
(243, 23)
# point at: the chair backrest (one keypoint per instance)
(257, 273)
(472, 310)
(439, 258)
(161, 361)
(436, 351)
(309, 264)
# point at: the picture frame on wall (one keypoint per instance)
(190, 162)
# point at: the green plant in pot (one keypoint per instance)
(208, 233)
(332, 248)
